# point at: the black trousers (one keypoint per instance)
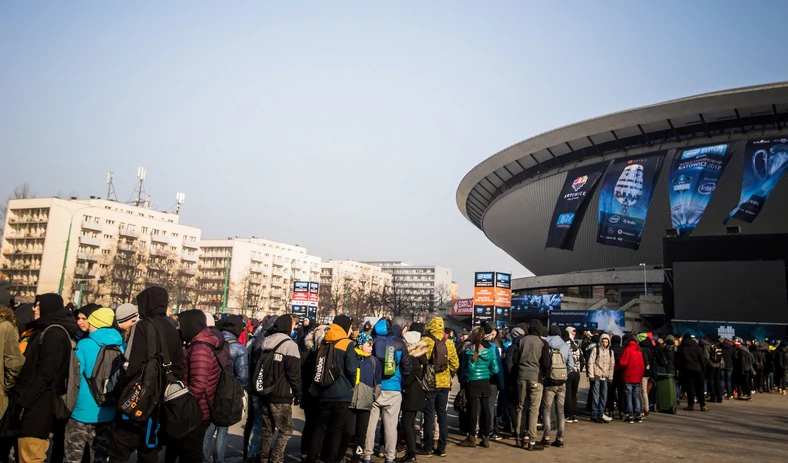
(189, 448)
(128, 437)
(327, 436)
(409, 429)
(615, 395)
(360, 431)
(572, 383)
(478, 393)
(713, 384)
(512, 401)
(693, 386)
(311, 408)
(745, 383)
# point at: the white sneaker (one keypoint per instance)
(607, 418)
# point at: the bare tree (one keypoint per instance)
(127, 272)
(248, 293)
(23, 191)
(442, 299)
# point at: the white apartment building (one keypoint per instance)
(345, 282)
(256, 274)
(113, 250)
(429, 285)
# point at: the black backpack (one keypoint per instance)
(227, 406)
(181, 412)
(142, 395)
(108, 362)
(440, 355)
(264, 380)
(66, 403)
(326, 365)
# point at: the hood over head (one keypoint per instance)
(647, 342)
(412, 338)
(53, 312)
(283, 324)
(315, 337)
(417, 327)
(571, 331)
(517, 332)
(604, 336)
(555, 331)
(435, 327)
(153, 301)
(335, 333)
(209, 320)
(382, 328)
(632, 342)
(87, 310)
(615, 340)
(536, 328)
(25, 319)
(234, 324)
(343, 321)
(555, 341)
(192, 323)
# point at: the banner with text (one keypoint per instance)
(483, 298)
(503, 296)
(765, 162)
(624, 198)
(462, 307)
(314, 293)
(693, 178)
(572, 204)
(300, 293)
(610, 321)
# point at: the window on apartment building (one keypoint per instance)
(108, 237)
(173, 248)
(105, 251)
(154, 232)
(103, 266)
(174, 235)
(109, 222)
(144, 229)
(129, 212)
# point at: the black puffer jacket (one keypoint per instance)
(646, 348)
(728, 353)
(689, 357)
(43, 377)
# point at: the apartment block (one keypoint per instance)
(346, 283)
(108, 249)
(427, 285)
(254, 273)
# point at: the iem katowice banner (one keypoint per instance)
(624, 198)
(483, 298)
(314, 299)
(300, 299)
(693, 178)
(503, 299)
(765, 162)
(572, 204)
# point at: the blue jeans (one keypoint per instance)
(254, 440)
(214, 446)
(437, 401)
(599, 392)
(632, 393)
(727, 374)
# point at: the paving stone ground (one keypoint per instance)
(754, 431)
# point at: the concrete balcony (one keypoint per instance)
(87, 256)
(123, 231)
(90, 241)
(191, 245)
(86, 225)
(161, 239)
(161, 252)
(189, 257)
(126, 247)
(190, 271)
(277, 293)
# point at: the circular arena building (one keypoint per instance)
(590, 208)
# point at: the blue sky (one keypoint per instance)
(341, 126)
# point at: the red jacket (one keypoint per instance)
(202, 368)
(632, 363)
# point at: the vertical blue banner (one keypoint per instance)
(765, 162)
(572, 204)
(624, 198)
(693, 179)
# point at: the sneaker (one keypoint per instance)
(607, 418)
(689, 409)
(574, 419)
(468, 442)
(628, 419)
(485, 443)
(496, 437)
(534, 447)
(638, 420)
(440, 453)
(424, 452)
(406, 459)
(704, 408)
(545, 442)
(558, 444)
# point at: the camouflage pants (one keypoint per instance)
(275, 417)
(96, 437)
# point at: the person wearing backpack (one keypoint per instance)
(479, 365)
(691, 365)
(285, 384)
(310, 402)
(442, 354)
(43, 378)
(215, 442)
(573, 378)
(337, 364)
(646, 350)
(713, 371)
(532, 358)
(600, 368)
(90, 425)
(12, 361)
(365, 392)
(254, 418)
(561, 363)
(414, 398)
(631, 366)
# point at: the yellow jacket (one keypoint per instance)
(435, 328)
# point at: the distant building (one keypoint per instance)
(427, 286)
(352, 287)
(261, 274)
(112, 250)
(455, 291)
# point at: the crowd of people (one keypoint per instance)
(98, 384)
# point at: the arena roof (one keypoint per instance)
(728, 112)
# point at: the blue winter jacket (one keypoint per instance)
(86, 410)
(239, 356)
(498, 379)
(383, 336)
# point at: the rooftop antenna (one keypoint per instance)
(111, 187)
(180, 198)
(140, 190)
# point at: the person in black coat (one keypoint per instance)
(126, 435)
(691, 364)
(414, 399)
(43, 378)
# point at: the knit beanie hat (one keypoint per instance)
(363, 338)
(126, 312)
(102, 318)
(343, 321)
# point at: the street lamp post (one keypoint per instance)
(645, 280)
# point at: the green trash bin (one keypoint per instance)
(666, 393)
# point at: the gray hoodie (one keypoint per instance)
(532, 356)
(601, 362)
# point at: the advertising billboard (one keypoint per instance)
(462, 307)
(503, 296)
(693, 179)
(540, 303)
(314, 293)
(624, 199)
(300, 293)
(716, 330)
(300, 311)
(611, 322)
(483, 297)
(572, 204)
(765, 162)
(484, 280)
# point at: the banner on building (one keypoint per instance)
(727, 330)
(300, 311)
(483, 298)
(765, 162)
(462, 307)
(314, 293)
(626, 192)
(572, 204)
(612, 322)
(536, 304)
(300, 293)
(503, 296)
(693, 179)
